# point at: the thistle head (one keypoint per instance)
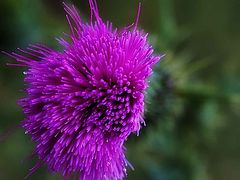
(83, 103)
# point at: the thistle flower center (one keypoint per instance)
(113, 106)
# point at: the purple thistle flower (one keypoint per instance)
(84, 102)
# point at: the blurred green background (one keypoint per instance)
(192, 105)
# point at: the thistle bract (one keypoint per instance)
(83, 103)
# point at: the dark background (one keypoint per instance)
(192, 105)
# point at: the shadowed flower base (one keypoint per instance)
(84, 102)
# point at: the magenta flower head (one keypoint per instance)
(83, 103)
